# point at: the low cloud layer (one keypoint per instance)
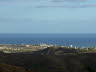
(69, 0)
(66, 6)
(50, 3)
(45, 0)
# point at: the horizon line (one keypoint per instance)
(47, 33)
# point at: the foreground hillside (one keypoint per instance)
(11, 68)
(48, 60)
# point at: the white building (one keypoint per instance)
(71, 46)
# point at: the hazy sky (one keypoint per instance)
(47, 16)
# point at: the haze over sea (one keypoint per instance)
(79, 40)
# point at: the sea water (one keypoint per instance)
(78, 40)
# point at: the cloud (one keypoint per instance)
(6, 0)
(69, 0)
(45, 0)
(49, 3)
(68, 6)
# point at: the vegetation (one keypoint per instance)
(11, 68)
(49, 60)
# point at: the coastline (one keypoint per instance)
(22, 48)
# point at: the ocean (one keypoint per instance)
(78, 40)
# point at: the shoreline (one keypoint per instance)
(22, 48)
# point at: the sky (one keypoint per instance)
(47, 16)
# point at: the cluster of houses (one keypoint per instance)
(22, 47)
(28, 47)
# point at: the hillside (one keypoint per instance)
(49, 60)
(56, 51)
(11, 68)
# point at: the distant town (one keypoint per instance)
(15, 48)
(19, 48)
